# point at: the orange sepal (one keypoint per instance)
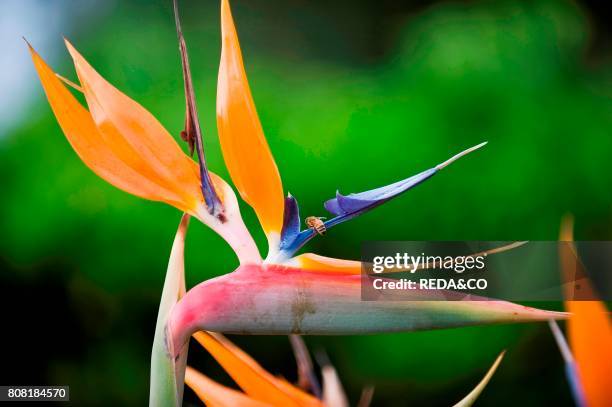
(244, 146)
(590, 338)
(136, 137)
(216, 395)
(250, 376)
(588, 328)
(94, 149)
(126, 146)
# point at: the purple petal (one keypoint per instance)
(348, 206)
(291, 221)
(362, 201)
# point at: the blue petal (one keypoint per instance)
(291, 222)
(346, 207)
(352, 204)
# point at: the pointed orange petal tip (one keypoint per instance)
(566, 233)
(105, 154)
(126, 146)
(137, 138)
(88, 143)
(244, 146)
(215, 394)
(249, 375)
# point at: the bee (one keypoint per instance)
(316, 223)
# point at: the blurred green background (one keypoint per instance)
(351, 95)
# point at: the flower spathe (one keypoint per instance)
(279, 299)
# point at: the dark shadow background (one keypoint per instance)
(352, 95)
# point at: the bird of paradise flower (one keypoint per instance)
(280, 294)
(259, 387)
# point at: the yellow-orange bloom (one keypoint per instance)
(127, 146)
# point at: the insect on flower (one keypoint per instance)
(316, 223)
